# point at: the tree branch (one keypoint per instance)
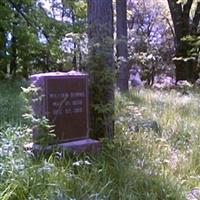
(187, 7)
(169, 24)
(17, 8)
(186, 16)
(176, 14)
(25, 17)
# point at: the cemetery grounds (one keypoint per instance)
(154, 155)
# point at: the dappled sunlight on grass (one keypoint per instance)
(175, 150)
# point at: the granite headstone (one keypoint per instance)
(64, 102)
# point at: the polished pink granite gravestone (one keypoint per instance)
(64, 101)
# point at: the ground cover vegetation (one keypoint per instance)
(154, 154)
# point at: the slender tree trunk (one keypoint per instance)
(80, 55)
(3, 60)
(45, 61)
(122, 53)
(101, 66)
(13, 60)
(74, 61)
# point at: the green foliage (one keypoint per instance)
(32, 37)
(192, 53)
(102, 80)
(43, 131)
(150, 39)
(11, 101)
(79, 9)
(193, 42)
(148, 63)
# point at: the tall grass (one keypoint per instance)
(11, 102)
(175, 148)
(113, 174)
(143, 161)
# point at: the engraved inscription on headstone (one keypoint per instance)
(67, 106)
(65, 103)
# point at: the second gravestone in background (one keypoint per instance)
(65, 103)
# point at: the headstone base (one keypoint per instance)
(78, 146)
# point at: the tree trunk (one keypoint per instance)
(3, 59)
(186, 69)
(13, 60)
(101, 67)
(122, 53)
(74, 61)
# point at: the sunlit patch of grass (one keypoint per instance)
(139, 163)
(178, 116)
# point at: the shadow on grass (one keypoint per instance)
(12, 104)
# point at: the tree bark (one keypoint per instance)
(101, 67)
(13, 60)
(185, 69)
(74, 61)
(196, 19)
(122, 53)
(3, 60)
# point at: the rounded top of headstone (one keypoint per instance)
(47, 74)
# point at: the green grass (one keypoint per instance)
(140, 163)
(176, 146)
(11, 102)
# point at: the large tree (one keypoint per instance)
(184, 25)
(101, 66)
(122, 53)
